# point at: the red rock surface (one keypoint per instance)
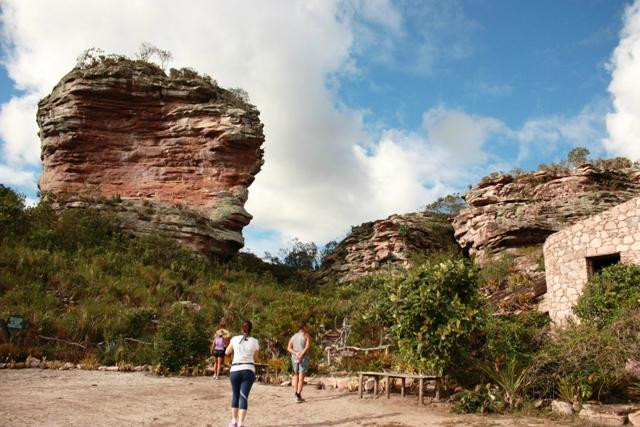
(386, 244)
(512, 212)
(513, 216)
(175, 154)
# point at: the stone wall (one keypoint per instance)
(567, 253)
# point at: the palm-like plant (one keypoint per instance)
(511, 378)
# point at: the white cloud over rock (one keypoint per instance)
(322, 170)
(623, 124)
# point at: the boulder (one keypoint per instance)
(167, 154)
(561, 407)
(604, 415)
(634, 418)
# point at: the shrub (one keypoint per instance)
(435, 308)
(182, 340)
(378, 361)
(13, 353)
(609, 293)
(12, 221)
(515, 337)
(482, 399)
(588, 358)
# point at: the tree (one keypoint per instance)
(577, 156)
(435, 307)
(327, 250)
(148, 51)
(449, 205)
(303, 256)
(240, 93)
(12, 220)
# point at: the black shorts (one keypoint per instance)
(218, 353)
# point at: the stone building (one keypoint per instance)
(575, 253)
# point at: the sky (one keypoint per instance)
(370, 108)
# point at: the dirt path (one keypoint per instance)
(93, 398)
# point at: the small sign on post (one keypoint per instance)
(17, 324)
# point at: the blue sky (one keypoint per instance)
(370, 107)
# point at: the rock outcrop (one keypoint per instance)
(387, 244)
(168, 154)
(514, 215)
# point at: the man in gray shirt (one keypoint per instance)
(299, 348)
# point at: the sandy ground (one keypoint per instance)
(94, 398)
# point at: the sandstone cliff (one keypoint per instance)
(170, 154)
(387, 243)
(509, 217)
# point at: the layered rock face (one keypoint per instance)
(507, 212)
(387, 243)
(169, 154)
(514, 215)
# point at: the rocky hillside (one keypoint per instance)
(172, 154)
(513, 215)
(387, 243)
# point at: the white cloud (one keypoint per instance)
(19, 131)
(314, 182)
(322, 173)
(624, 123)
(558, 134)
(17, 177)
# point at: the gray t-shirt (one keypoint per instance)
(298, 341)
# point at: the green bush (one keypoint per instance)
(435, 309)
(182, 340)
(588, 358)
(482, 399)
(12, 221)
(378, 361)
(515, 337)
(609, 293)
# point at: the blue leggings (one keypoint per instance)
(241, 382)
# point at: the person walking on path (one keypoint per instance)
(218, 346)
(242, 373)
(299, 348)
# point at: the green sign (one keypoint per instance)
(16, 324)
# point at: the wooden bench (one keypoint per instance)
(387, 377)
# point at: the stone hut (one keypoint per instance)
(575, 253)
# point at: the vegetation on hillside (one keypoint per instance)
(92, 293)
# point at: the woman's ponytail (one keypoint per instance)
(247, 326)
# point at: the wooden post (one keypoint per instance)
(361, 385)
(438, 389)
(4, 332)
(375, 386)
(402, 387)
(388, 386)
(421, 390)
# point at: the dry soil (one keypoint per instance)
(96, 398)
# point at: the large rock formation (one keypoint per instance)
(511, 216)
(507, 212)
(387, 243)
(169, 154)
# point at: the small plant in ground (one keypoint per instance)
(482, 399)
(570, 391)
(511, 379)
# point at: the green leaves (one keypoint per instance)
(435, 306)
(609, 293)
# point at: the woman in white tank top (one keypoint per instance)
(242, 373)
